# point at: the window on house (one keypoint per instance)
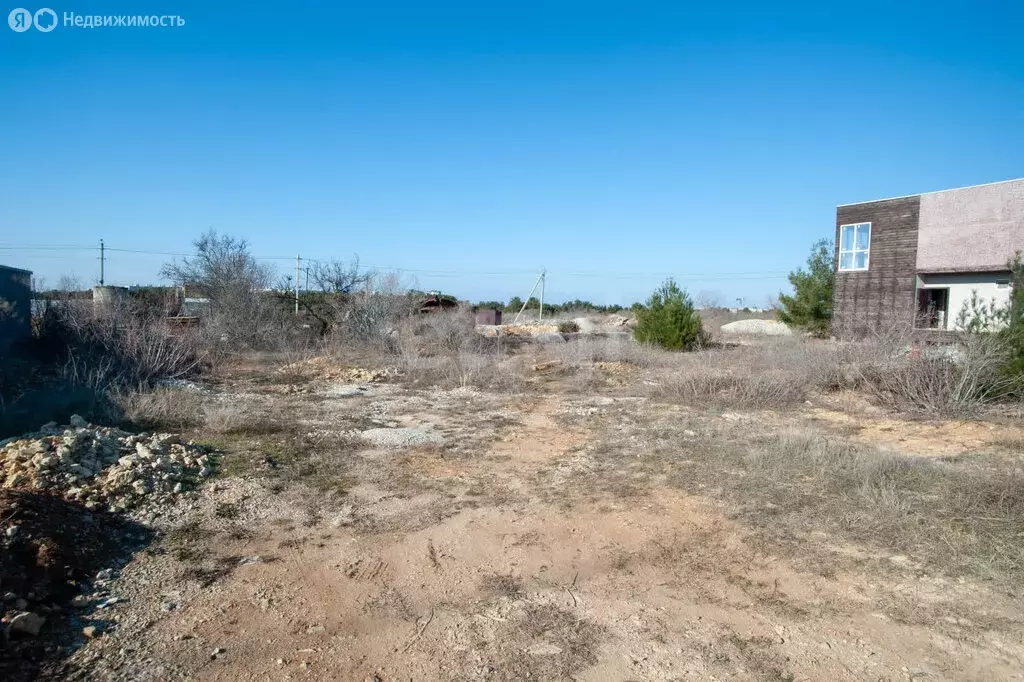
(854, 244)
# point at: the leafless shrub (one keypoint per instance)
(438, 333)
(774, 373)
(444, 349)
(372, 316)
(335, 282)
(118, 344)
(723, 388)
(947, 381)
(954, 380)
(240, 313)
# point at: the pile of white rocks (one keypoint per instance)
(102, 467)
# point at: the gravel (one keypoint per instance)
(349, 390)
(402, 437)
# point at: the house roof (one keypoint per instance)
(10, 269)
(938, 191)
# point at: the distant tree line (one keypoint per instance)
(515, 304)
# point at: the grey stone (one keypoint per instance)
(28, 623)
(402, 437)
(757, 328)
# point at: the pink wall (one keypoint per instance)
(974, 228)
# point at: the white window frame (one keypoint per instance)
(853, 250)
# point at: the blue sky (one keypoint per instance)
(472, 144)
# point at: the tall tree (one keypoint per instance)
(810, 306)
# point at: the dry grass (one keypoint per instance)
(583, 352)
(958, 516)
(323, 464)
(443, 349)
(161, 408)
(233, 419)
(955, 516)
(775, 373)
(952, 382)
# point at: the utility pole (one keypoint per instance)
(298, 262)
(529, 296)
(102, 262)
(543, 278)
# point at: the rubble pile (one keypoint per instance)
(323, 367)
(101, 467)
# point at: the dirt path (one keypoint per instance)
(492, 562)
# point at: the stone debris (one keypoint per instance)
(757, 327)
(585, 325)
(324, 367)
(620, 321)
(348, 390)
(102, 467)
(402, 437)
(28, 623)
(526, 329)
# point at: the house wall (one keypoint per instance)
(961, 285)
(15, 306)
(882, 296)
(972, 228)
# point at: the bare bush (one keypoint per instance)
(954, 380)
(372, 316)
(438, 333)
(444, 349)
(336, 283)
(774, 373)
(118, 344)
(241, 312)
(950, 381)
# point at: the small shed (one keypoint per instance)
(488, 316)
(15, 306)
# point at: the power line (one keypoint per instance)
(604, 274)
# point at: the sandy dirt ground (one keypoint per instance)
(507, 553)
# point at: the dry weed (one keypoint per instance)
(161, 408)
(583, 352)
(957, 516)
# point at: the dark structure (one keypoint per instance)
(881, 294)
(15, 306)
(436, 302)
(489, 316)
(916, 262)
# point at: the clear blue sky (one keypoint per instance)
(612, 143)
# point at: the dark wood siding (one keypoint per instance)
(880, 298)
(15, 306)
